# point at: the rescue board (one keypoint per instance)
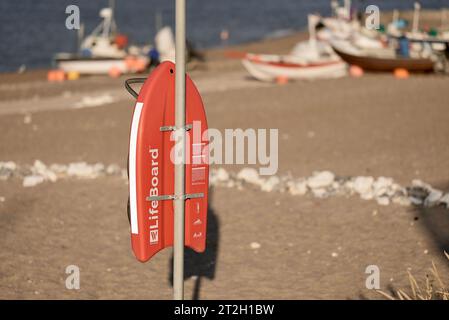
(151, 170)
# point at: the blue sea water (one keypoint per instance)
(32, 31)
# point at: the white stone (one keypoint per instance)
(58, 168)
(89, 101)
(255, 245)
(367, 195)
(98, 167)
(113, 169)
(250, 175)
(383, 201)
(297, 188)
(320, 193)
(81, 170)
(415, 201)
(221, 175)
(433, 198)
(39, 168)
(401, 200)
(363, 185)
(33, 180)
(419, 183)
(321, 179)
(8, 165)
(270, 184)
(27, 119)
(382, 186)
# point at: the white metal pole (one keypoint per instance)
(180, 95)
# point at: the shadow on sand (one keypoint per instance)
(435, 221)
(202, 265)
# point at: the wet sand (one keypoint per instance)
(309, 248)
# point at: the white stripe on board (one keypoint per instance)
(132, 167)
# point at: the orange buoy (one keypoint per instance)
(356, 71)
(281, 79)
(140, 65)
(130, 62)
(121, 41)
(56, 75)
(115, 72)
(401, 73)
(73, 75)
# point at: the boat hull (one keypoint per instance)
(92, 65)
(266, 70)
(386, 64)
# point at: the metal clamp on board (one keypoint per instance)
(187, 127)
(174, 197)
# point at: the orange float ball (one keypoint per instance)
(115, 72)
(401, 73)
(282, 80)
(356, 71)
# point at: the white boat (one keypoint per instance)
(103, 50)
(311, 59)
(273, 67)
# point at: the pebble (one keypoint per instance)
(402, 200)
(433, 197)
(320, 180)
(363, 186)
(220, 175)
(27, 119)
(255, 245)
(84, 170)
(383, 201)
(7, 169)
(113, 169)
(270, 184)
(33, 180)
(88, 101)
(382, 186)
(250, 175)
(320, 193)
(334, 254)
(297, 188)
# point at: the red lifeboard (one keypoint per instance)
(151, 170)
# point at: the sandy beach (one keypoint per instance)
(261, 245)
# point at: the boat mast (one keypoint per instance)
(395, 16)
(416, 18)
(312, 22)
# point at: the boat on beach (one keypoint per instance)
(272, 67)
(103, 51)
(382, 59)
(312, 59)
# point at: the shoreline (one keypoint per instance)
(429, 18)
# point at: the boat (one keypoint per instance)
(312, 59)
(273, 67)
(385, 59)
(103, 51)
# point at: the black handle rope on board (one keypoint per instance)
(128, 83)
(132, 92)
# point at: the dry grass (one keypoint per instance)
(434, 288)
